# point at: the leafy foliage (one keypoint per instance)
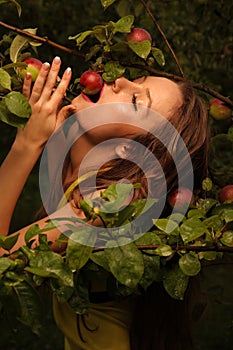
(171, 254)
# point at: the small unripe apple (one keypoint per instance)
(181, 198)
(219, 110)
(33, 67)
(139, 34)
(226, 194)
(91, 82)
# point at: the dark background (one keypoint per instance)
(201, 34)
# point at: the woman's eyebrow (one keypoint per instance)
(148, 95)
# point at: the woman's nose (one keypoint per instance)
(120, 83)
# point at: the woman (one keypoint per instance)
(108, 326)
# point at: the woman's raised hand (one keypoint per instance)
(45, 100)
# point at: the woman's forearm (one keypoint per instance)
(14, 173)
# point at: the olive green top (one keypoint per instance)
(110, 322)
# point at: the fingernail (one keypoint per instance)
(57, 60)
(68, 71)
(28, 76)
(46, 66)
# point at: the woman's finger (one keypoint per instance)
(39, 83)
(60, 91)
(65, 113)
(51, 79)
(27, 83)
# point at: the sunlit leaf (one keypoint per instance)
(107, 3)
(158, 55)
(142, 49)
(5, 79)
(124, 24)
(191, 229)
(19, 43)
(18, 104)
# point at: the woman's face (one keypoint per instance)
(156, 93)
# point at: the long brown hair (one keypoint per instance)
(190, 121)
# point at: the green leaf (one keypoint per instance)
(125, 262)
(207, 255)
(7, 117)
(227, 215)
(30, 305)
(207, 204)
(107, 3)
(79, 301)
(158, 55)
(124, 24)
(18, 104)
(213, 222)
(227, 238)
(166, 225)
(100, 259)
(190, 264)
(112, 71)
(5, 264)
(14, 2)
(175, 282)
(8, 242)
(80, 246)
(80, 37)
(207, 184)
(192, 229)
(199, 213)
(5, 79)
(142, 49)
(164, 250)
(31, 232)
(50, 264)
(151, 270)
(19, 43)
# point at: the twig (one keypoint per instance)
(44, 40)
(151, 70)
(177, 248)
(195, 85)
(164, 36)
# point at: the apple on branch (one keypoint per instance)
(91, 82)
(180, 198)
(33, 67)
(226, 194)
(139, 34)
(219, 110)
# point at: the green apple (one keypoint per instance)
(219, 110)
(33, 67)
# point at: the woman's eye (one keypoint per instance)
(134, 102)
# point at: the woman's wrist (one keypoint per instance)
(24, 146)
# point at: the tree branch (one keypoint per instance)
(164, 36)
(151, 70)
(44, 40)
(194, 248)
(195, 85)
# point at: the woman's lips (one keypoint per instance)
(93, 98)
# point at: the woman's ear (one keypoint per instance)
(122, 150)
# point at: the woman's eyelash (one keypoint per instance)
(134, 102)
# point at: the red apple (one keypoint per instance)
(33, 67)
(91, 82)
(139, 34)
(226, 194)
(219, 110)
(181, 198)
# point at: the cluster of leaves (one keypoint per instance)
(171, 253)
